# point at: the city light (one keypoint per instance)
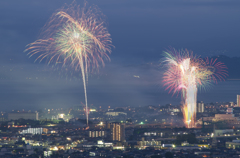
(151, 100)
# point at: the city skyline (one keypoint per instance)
(104, 78)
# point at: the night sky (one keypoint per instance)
(140, 29)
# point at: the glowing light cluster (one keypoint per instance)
(186, 73)
(75, 37)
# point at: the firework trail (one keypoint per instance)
(186, 73)
(87, 110)
(75, 37)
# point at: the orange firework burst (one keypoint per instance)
(185, 73)
(75, 37)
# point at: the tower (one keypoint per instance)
(200, 107)
(238, 100)
(117, 131)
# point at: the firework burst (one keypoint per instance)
(75, 37)
(186, 73)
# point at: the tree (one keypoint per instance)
(190, 138)
(94, 147)
(169, 155)
(34, 156)
(156, 156)
(119, 110)
(129, 120)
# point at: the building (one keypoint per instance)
(238, 100)
(32, 131)
(151, 143)
(200, 107)
(96, 133)
(229, 110)
(233, 145)
(89, 145)
(117, 131)
(225, 117)
(115, 113)
(23, 115)
(236, 111)
(228, 118)
(221, 132)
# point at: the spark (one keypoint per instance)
(186, 73)
(75, 37)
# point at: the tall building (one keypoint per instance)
(200, 107)
(117, 131)
(23, 115)
(238, 100)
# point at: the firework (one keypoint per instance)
(75, 37)
(186, 73)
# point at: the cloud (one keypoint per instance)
(140, 29)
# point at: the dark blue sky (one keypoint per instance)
(140, 29)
